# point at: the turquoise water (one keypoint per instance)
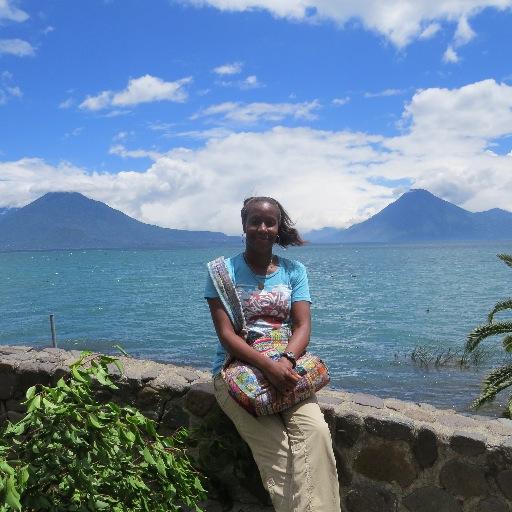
(372, 306)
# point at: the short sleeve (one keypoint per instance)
(300, 285)
(209, 290)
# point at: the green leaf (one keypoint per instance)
(506, 258)
(500, 306)
(78, 375)
(484, 331)
(128, 434)
(94, 421)
(148, 457)
(507, 343)
(12, 497)
(34, 403)
(31, 391)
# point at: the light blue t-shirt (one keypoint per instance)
(264, 309)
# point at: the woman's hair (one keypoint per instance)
(288, 235)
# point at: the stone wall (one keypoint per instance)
(392, 456)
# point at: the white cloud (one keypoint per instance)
(121, 151)
(251, 82)
(11, 13)
(121, 136)
(229, 69)
(68, 103)
(254, 112)
(340, 101)
(430, 31)
(464, 32)
(400, 21)
(384, 93)
(73, 133)
(16, 47)
(450, 55)
(149, 88)
(144, 89)
(48, 30)
(98, 102)
(322, 177)
(7, 89)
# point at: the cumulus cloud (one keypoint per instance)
(450, 56)
(400, 21)
(229, 69)
(144, 89)
(11, 13)
(324, 178)
(464, 32)
(254, 112)
(17, 47)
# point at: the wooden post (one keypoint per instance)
(52, 327)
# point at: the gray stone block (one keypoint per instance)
(463, 479)
(15, 416)
(8, 383)
(15, 405)
(468, 443)
(431, 499)
(425, 448)
(200, 399)
(457, 421)
(386, 462)
(387, 428)
(368, 400)
(31, 373)
(174, 415)
(347, 430)
(492, 504)
(371, 497)
(504, 479)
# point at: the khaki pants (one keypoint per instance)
(293, 451)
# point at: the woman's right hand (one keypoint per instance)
(281, 375)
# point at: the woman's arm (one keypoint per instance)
(301, 327)
(279, 374)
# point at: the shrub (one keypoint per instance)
(71, 453)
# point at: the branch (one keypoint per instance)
(500, 306)
(506, 258)
(484, 331)
(495, 382)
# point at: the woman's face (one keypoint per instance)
(261, 226)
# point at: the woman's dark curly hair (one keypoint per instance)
(288, 235)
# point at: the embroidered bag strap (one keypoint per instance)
(227, 294)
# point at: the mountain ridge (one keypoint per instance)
(70, 220)
(420, 216)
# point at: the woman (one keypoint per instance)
(292, 449)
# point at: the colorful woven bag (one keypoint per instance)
(247, 384)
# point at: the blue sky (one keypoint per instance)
(174, 111)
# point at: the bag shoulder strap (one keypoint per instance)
(227, 293)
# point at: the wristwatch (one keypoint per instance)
(291, 357)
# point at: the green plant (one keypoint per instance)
(71, 453)
(500, 378)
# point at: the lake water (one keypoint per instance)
(372, 306)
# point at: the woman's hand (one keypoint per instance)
(281, 375)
